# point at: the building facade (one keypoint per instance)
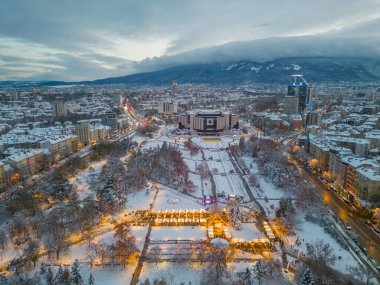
(168, 108)
(208, 121)
(59, 109)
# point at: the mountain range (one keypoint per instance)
(314, 69)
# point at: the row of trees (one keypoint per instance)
(46, 276)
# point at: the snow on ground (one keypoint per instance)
(187, 156)
(178, 233)
(82, 251)
(108, 275)
(140, 200)
(173, 273)
(152, 143)
(165, 194)
(82, 180)
(308, 232)
(198, 186)
(211, 142)
(248, 232)
(267, 190)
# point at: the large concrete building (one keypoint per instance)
(59, 109)
(208, 121)
(168, 108)
(110, 120)
(82, 130)
(291, 105)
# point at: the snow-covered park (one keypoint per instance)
(224, 180)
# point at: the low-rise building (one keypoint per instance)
(26, 162)
(368, 183)
(61, 146)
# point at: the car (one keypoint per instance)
(348, 228)
(376, 230)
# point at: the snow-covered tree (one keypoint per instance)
(285, 208)
(43, 269)
(75, 273)
(57, 186)
(91, 280)
(110, 196)
(307, 277)
(49, 276)
(58, 275)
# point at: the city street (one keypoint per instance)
(366, 236)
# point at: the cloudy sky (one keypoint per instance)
(88, 39)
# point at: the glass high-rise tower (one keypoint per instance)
(298, 87)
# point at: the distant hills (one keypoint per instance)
(274, 71)
(314, 69)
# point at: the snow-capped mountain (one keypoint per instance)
(279, 70)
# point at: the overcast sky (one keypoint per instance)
(89, 39)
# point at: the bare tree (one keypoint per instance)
(319, 258)
(102, 251)
(320, 252)
(3, 240)
(55, 241)
(31, 252)
(363, 273)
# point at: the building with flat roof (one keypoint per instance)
(59, 109)
(208, 121)
(168, 108)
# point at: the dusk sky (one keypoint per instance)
(86, 39)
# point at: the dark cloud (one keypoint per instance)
(77, 36)
(267, 49)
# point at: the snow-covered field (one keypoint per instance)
(183, 201)
(178, 233)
